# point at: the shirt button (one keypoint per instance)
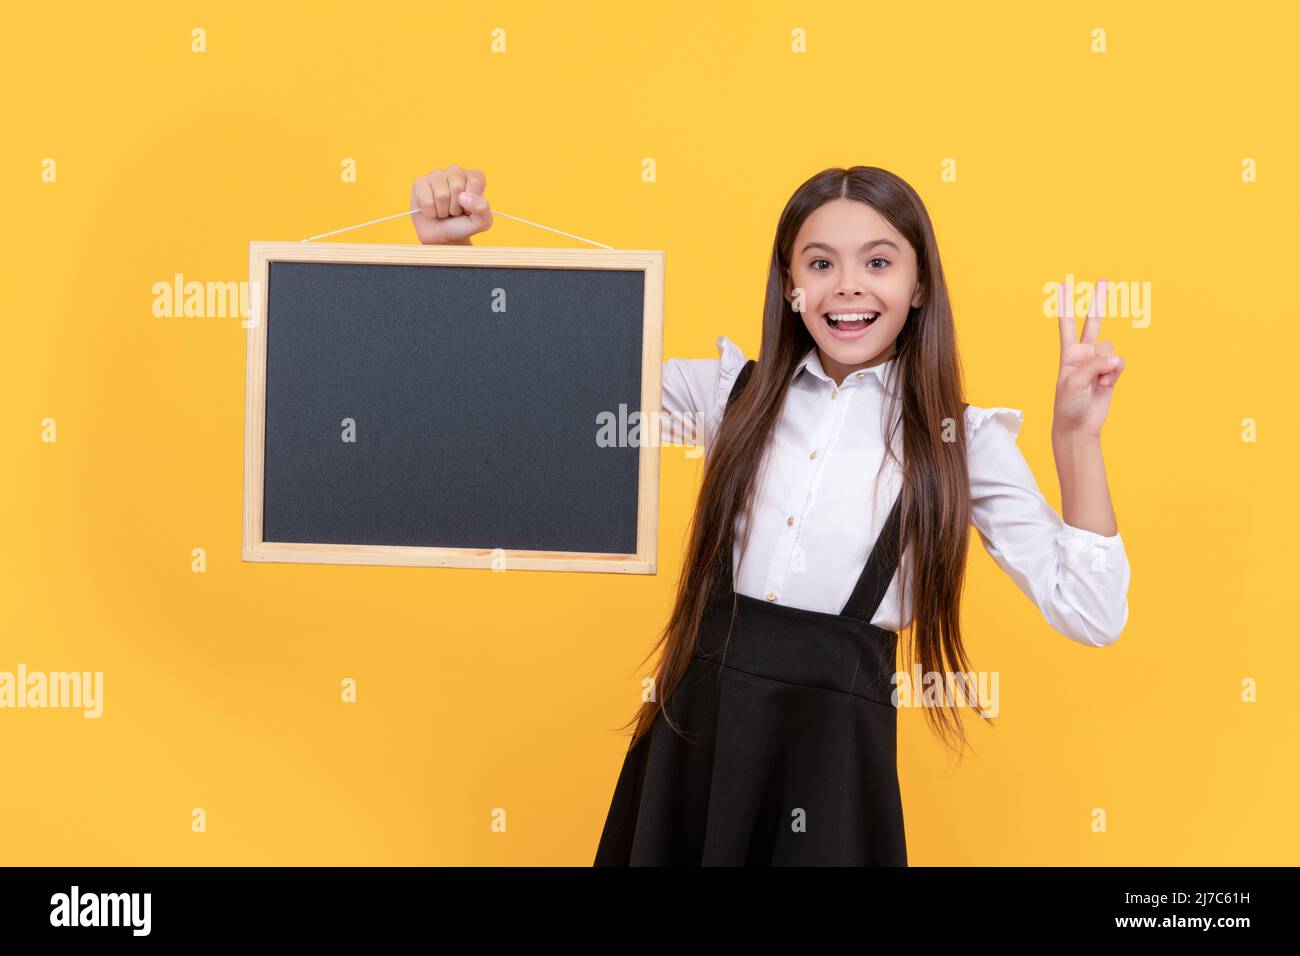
(812, 455)
(860, 375)
(835, 394)
(790, 520)
(771, 596)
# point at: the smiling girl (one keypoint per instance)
(843, 472)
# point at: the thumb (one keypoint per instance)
(1089, 370)
(476, 207)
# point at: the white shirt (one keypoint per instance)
(816, 517)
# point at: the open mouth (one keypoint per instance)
(849, 323)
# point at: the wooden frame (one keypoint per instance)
(262, 254)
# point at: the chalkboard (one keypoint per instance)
(456, 406)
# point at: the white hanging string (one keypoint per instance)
(495, 212)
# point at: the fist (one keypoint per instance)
(451, 206)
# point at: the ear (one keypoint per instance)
(918, 296)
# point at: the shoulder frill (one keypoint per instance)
(1010, 418)
(732, 360)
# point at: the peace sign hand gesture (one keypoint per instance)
(1086, 381)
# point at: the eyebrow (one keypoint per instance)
(865, 246)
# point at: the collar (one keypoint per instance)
(812, 362)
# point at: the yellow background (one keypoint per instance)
(481, 690)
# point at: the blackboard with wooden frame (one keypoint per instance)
(438, 406)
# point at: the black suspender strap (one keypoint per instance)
(879, 569)
(741, 378)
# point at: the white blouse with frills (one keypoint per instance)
(819, 508)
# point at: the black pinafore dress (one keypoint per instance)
(791, 749)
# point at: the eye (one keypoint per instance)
(813, 264)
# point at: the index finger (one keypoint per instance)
(475, 181)
(1065, 314)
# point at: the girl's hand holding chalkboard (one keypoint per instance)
(452, 206)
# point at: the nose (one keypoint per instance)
(850, 285)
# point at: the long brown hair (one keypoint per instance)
(935, 490)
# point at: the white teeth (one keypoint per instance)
(851, 316)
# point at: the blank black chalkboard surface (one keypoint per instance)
(455, 406)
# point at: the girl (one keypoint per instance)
(771, 739)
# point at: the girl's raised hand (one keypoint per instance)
(1086, 381)
(452, 206)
